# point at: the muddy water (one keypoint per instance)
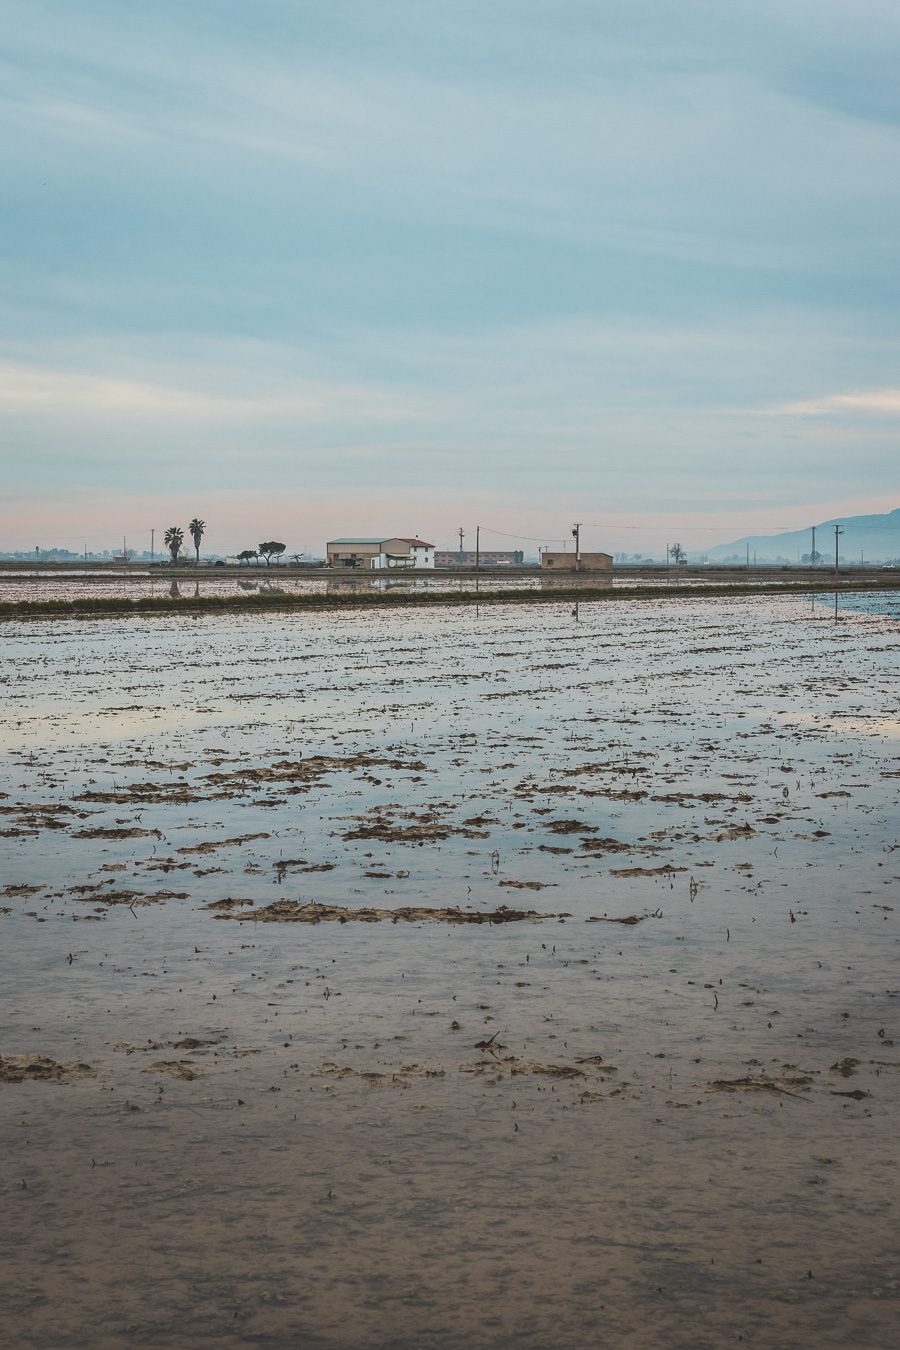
(658, 1109)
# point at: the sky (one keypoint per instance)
(311, 270)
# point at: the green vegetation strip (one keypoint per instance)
(87, 607)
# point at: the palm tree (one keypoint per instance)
(196, 529)
(174, 538)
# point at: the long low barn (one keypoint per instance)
(380, 554)
(587, 562)
(497, 557)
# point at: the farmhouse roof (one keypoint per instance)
(357, 540)
(383, 539)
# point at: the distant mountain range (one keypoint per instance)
(875, 538)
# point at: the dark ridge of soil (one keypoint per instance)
(292, 911)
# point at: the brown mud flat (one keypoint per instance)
(40, 1068)
(786, 1086)
(424, 831)
(666, 871)
(183, 1069)
(146, 794)
(308, 770)
(128, 898)
(629, 920)
(292, 911)
(213, 844)
(112, 832)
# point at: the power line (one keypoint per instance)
(720, 529)
(540, 539)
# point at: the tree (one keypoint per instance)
(271, 549)
(246, 554)
(677, 553)
(174, 538)
(196, 529)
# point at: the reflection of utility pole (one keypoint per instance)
(838, 531)
(576, 535)
(462, 534)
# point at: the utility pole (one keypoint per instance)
(838, 531)
(812, 556)
(477, 547)
(576, 535)
(462, 534)
(152, 545)
(748, 554)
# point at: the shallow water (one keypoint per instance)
(137, 583)
(558, 1131)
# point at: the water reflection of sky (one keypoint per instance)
(886, 603)
(135, 584)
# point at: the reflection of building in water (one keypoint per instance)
(587, 562)
(494, 557)
(380, 554)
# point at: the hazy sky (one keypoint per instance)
(311, 268)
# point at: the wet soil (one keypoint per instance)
(382, 1108)
(293, 911)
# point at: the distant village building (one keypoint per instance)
(380, 554)
(587, 562)
(487, 557)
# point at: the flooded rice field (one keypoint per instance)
(503, 977)
(140, 583)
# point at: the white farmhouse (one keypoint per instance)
(377, 555)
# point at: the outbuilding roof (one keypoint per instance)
(383, 539)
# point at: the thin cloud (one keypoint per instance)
(879, 402)
(27, 389)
